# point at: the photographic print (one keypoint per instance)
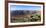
(25, 14)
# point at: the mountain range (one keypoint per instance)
(23, 12)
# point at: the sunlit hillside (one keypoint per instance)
(25, 16)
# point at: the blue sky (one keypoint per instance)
(23, 7)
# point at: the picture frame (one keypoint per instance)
(7, 12)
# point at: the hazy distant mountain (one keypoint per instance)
(17, 12)
(23, 12)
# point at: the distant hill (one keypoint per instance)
(22, 12)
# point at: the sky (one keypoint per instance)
(23, 7)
